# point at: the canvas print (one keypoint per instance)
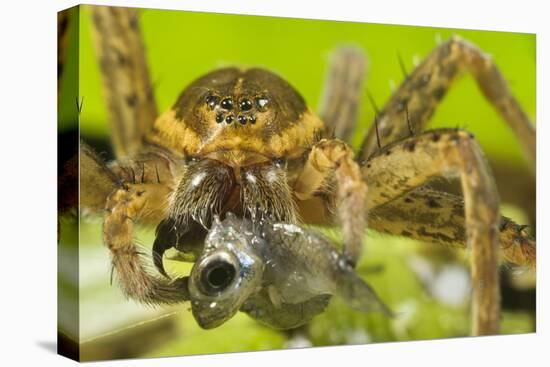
(233, 183)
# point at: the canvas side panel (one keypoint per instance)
(67, 166)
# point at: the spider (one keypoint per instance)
(245, 141)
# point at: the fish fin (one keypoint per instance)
(274, 296)
(359, 295)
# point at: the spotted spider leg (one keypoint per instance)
(130, 193)
(438, 217)
(130, 265)
(126, 84)
(342, 91)
(421, 92)
(407, 164)
(331, 169)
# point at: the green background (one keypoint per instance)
(182, 46)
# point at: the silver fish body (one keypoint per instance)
(281, 275)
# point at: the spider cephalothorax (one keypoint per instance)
(244, 140)
(239, 117)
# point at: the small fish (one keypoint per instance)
(280, 274)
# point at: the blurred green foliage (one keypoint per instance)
(182, 46)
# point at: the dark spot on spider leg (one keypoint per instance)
(449, 70)
(131, 100)
(121, 58)
(439, 236)
(133, 23)
(410, 146)
(439, 93)
(424, 80)
(432, 203)
(387, 131)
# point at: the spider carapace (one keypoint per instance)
(239, 118)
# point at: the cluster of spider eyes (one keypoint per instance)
(245, 106)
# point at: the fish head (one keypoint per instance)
(229, 270)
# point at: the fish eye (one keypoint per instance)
(217, 275)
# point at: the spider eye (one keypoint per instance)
(245, 104)
(279, 162)
(227, 104)
(217, 275)
(212, 101)
(262, 103)
(242, 119)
